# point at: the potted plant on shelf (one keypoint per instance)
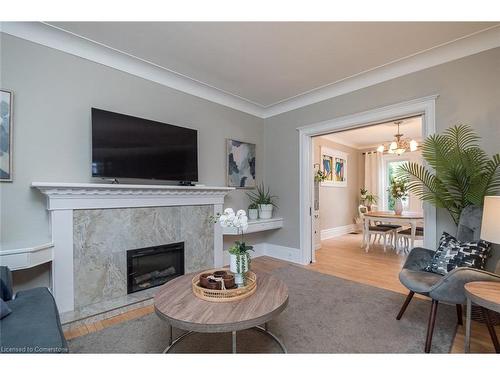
(253, 211)
(265, 201)
(239, 253)
(398, 190)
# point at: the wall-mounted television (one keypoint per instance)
(131, 147)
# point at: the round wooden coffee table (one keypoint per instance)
(176, 304)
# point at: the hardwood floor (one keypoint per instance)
(341, 257)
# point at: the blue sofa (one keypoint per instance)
(33, 326)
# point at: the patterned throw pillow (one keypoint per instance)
(452, 254)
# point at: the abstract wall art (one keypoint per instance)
(240, 164)
(6, 103)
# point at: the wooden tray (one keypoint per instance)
(228, 295)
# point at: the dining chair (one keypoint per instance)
(403, 239)
(376, 230)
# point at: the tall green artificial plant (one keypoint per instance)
(458, 172)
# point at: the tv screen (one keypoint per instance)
(131, 147)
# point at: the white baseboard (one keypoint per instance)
(290, 254)
(339, 231)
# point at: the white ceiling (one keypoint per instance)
(267, 63)
(372, 136)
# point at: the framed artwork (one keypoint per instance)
(6, 104)
(240, 164)
(334, 166)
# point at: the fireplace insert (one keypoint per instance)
(154, 266)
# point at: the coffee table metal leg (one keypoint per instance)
(178, 339)
(274, 337)
(264, 330)
(467, 325)
(233, 334)
(171, 336)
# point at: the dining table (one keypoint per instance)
(405, 218)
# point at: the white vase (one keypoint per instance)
(253, 213)
(265, 211)
(239, 266)
(398, 206)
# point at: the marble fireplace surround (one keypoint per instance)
(82, 216)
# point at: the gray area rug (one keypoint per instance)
(325, 314)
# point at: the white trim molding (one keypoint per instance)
(453, 50)
(19, 259)
(79, 196)
(339, 231)
(425, 106)
(62, 40)
(254, 226)
(289, 254)
(64, 198)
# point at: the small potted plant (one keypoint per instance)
(239, 253)
(398, 190)
(370, 200)
(320, 176)
(253, 211)
(363, 193)
(265, 201)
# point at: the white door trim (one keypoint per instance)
(425, 106)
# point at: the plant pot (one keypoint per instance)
(265, 211)
(398, 206)
(253, 213)
(239, 265)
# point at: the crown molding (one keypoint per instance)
(331, 138)
(53, 37)
(454, 50)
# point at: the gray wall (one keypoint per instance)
(338, 206)
(53, 94)
(469, 92)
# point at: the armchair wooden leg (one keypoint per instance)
(459, 315)
(430, 327)
(491, 329)
(405, 305)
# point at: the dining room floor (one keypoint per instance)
(343, 256)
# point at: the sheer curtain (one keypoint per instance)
(374, 176)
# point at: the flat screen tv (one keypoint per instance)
(131, 147)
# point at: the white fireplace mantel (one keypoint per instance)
(64, 198)
(80, 196)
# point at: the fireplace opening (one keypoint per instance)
(154, 266)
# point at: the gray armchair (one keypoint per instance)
(450, 288)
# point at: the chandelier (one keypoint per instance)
(399, 145)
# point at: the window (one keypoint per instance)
(392, 166)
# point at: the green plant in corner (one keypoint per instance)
(262, 196)
(371, 199)
(253, 206)
(462, 173)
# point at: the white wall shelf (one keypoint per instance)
(259, 225)
(19, 259)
